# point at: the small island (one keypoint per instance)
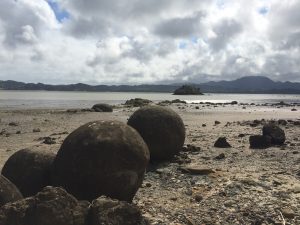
(187, 90)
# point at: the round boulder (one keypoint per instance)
(275, 132)
(29, 170)
(101, 158)
(102, 108)
(8, 191)
(162, 129)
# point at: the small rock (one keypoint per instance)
(293, 110)
(221, 156)
(196, 170)
(288, 213)
(13, 124)
(203, 125)
(217, 122)
(18, 132)
(222, 143)
(49, 141)
(198, 198)
(36, 130)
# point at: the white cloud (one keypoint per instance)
(132, 41)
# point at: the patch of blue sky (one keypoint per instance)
(60, 14)
(263, 10)
(182, 44)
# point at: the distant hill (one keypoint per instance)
(250, 84)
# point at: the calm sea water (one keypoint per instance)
(61, 99)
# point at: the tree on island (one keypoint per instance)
(187, 90)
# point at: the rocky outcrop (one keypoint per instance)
(50, 206)
(187, 90)
(113, 212)
(102, 108)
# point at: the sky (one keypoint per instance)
(148, 41)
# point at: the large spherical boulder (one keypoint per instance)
(162, 129)
(8, 191)
(51, 206)
(29, 170)
(101, 158)
(275, 132)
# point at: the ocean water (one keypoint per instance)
(63, 99)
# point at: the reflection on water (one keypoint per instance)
(61, 99)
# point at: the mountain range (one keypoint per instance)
(249, 84)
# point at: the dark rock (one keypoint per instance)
(13, 124)
(178, 101)
(29, 170)
(217, 122)
(282, 122)
(275, 132)
(191, 148)
(51, 206)
(293, 110)
(161, 128)
(36, 130)
(137, 102)
(49, 141)
(234, 103)
(260, 141)
(203, 125)
(18, 132)
(113, 212)
(198, 198)
(222, 143)
(101, 158)
(241, 135)
(8, 191)
(187, 90)
(102, 108)
(221, 156)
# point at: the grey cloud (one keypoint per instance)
(180, 27)
(225, 31)
(83, 27)
(281, 64)
(22, 25)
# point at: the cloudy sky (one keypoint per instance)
(148, 41)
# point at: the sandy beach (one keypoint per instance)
(245, 186)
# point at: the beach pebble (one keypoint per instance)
(161, 128)
(29, 170)
(101, 158)
(8, 191)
